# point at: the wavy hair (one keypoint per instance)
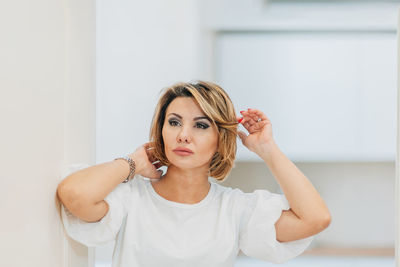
(217, 106)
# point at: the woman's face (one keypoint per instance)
(183, 128)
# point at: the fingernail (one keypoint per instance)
(242, 111)
(240, 119)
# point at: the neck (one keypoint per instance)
(180, 185)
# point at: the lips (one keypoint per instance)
(182, 149)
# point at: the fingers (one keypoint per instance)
(153, 160)
(149, 145)
(253, 119)
(244, 120)
(257, 114)
(253, 116)
(156, 163)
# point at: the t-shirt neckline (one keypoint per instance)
(178, 204)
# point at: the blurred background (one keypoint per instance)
(79, 81)
(324, 72)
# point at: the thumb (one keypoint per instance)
(242, 135)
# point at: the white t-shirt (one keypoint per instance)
(150, 230)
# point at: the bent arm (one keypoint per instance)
(308, 210)
(83, 192)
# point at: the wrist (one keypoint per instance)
(138, 168)
(266, 151)
(132, 167)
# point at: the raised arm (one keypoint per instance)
(83, 192)
(308, 214)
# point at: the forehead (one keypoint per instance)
(186, 106)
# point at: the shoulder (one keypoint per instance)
(226, 193)
(139, 182)
(138, 185)
(249, 200)
(222, 190)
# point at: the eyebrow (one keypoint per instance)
(197, 118)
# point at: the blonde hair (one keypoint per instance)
(217, 106)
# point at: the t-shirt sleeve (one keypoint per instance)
(257, 237)
(98, 233)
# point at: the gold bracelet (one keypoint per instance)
(132, 166)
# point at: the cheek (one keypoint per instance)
(210, 144)
(164, 137)
(168, 137)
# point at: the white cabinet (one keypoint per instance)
(330, 96)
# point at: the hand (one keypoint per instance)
(146, 163)
(260, 132)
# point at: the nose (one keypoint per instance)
(184, 135)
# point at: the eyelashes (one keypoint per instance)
(202, 125)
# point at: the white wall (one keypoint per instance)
(47, 111)
(142, 47)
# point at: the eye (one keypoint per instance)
(171, 122)
(198, 125)
(202, 125)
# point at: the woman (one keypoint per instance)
(182, 218)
